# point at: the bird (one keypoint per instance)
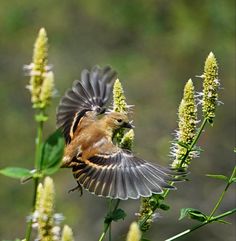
(98, 164)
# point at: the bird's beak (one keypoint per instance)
(128, 125)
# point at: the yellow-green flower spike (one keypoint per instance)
(48, 197)
(47, 90)
(39, 196)
(187, 115)
(127, 140)
(46, 211)
(134, 233)
(40, 57)
(119, 105)
(67, 234)
(210, 87)
(119, 100)
(38, 68)
(145, 210)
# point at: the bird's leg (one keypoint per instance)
(78, 187)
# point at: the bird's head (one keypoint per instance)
(116, 120)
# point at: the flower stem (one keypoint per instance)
(210, 217)
(38, 143)
(194, 141)
(213, 219)
(108, 224)
(223, 193)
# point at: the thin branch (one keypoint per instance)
(38, 144)
(108, 224)
(213, 219)
(223, 193)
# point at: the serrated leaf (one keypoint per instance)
(16, 172)
(115, 215)
(222, 177)
(52, 153)
(118, 214)
(193, 214)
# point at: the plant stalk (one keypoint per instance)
(37, 167)
(194, 141)
(223, 193)
(213, 219)
(108, 224)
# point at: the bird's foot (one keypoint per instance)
(78, 187)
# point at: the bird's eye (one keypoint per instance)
(119, 120)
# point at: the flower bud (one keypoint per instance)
(210, 87)
(45, 209)
(187, 115)
(41, 84)
(47, 90)
(127, 140)
(134, 233)
(67, 234)
(119, 100)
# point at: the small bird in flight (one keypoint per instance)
(99, 165)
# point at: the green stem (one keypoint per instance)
(223, 193)
(194, 141)
(108, 224)
(213, 219)
(164, 195)
(37, 166)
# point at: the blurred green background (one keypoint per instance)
(156, 46)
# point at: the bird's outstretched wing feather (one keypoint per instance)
(121, 175)
(90, 93)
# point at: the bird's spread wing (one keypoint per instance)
(121, 175)
(90, 93)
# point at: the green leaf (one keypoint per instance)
(118, 214)
(16, 172)
(115, 215)
(52, 153)
(222, 177)
(164, 206)
(197, 148)
(152, 201)
(233, 179)
(222, 221)
(183, 144)
(144, 239)
(193, 214)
